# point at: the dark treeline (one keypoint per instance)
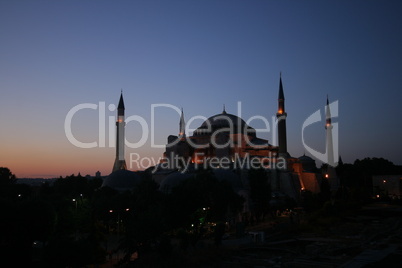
(356, 179)
(356, 185)
(67, 224)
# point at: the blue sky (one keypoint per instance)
(197, 55)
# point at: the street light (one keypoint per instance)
(118, 218)
(75, 201)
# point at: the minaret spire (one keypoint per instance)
(119, 162)
(120, 107)
(182, 125)
(281, 97)
(327, 114)
(281, 117)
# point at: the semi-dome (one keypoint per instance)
(305, 158)
(308, 163)
(224, 120)
(173, 180)
(122, 180)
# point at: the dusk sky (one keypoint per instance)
(199, 56)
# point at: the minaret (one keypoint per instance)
(120, 163)
(281, 117)
(182, 126)
(328, 127)
(331, 173)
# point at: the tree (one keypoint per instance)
(218, 233)
(144, 223)
(72, 186)
(6, 177)
(201, 199)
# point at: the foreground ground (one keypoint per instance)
(372, 237)
(369, 237)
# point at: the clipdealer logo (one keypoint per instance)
(148, 130)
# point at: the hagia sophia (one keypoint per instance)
(226, 144)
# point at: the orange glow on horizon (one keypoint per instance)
(64, 159)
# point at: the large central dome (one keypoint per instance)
(224, 122)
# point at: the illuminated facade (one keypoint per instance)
(220, 136)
